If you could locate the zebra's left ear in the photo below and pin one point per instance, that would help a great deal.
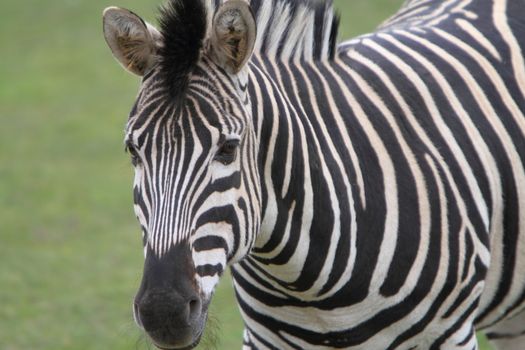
(133, 42)
(233, 35)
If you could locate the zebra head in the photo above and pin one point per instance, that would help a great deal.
(192, 143)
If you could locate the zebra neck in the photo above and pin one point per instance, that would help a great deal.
(297, 179)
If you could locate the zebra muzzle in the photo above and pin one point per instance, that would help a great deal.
(168, 305)
(171, 320)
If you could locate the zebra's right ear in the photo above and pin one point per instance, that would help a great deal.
(133, 42)
(233, 35)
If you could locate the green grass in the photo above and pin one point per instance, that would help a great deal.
(70, 249)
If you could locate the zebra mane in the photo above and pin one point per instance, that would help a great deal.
(295, 29)
(183, 25)
(286, 30)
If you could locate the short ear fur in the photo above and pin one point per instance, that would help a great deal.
(133, 42)
(233, 35)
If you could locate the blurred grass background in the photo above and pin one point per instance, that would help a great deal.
(70, 248)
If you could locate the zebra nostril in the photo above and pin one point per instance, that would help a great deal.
(194, 308)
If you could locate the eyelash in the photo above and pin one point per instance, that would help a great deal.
(135, 159)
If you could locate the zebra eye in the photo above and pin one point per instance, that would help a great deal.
(135, 159)
(227, 152)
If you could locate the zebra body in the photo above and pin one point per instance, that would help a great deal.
(375, 197)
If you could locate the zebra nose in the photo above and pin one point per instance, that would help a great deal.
(169, 318)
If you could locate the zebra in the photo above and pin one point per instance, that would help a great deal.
(365, 195)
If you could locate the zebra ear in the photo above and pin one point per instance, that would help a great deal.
(233, 35)
(133, 42)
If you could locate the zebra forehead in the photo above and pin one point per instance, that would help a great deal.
(198, 114)
(210, 94)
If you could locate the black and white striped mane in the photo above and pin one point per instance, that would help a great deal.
(295, 29)
(286, 30)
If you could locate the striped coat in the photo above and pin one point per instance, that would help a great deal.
(377, 200)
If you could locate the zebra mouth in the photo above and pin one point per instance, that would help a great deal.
(188, 347)
(197, 338)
